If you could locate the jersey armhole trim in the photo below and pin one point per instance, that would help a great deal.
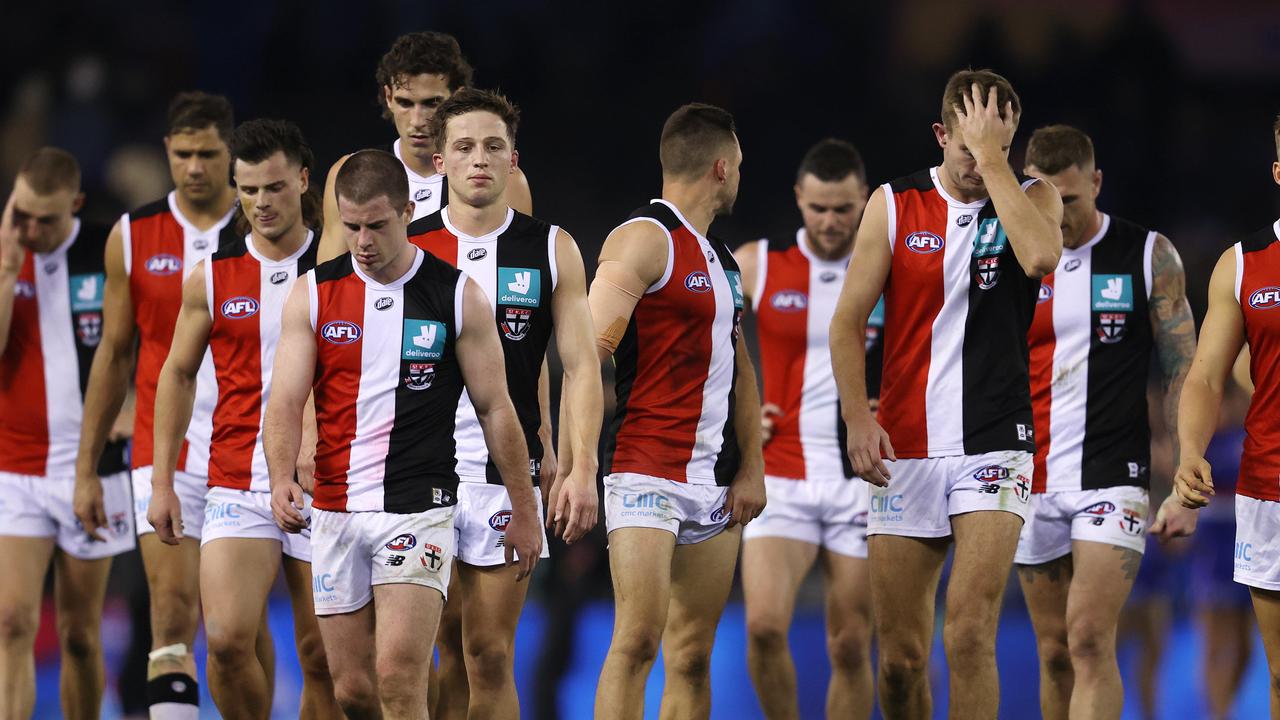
(126, 244)
(207, 268)
(1028, 183)
(762, 271)
(671, 253)
(551, 255)
(313, 299)
(1147, 251)
(1239, 249)
(458, 291)
(891, 212)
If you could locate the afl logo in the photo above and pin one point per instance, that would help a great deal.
(991, 473)
(925, 243)
(697, 281)
(238, 308)
(1100, 508)
(477, 254)
(383, 303)
(163, 264)
(1265, 298)
(400, 543)
(499, 520)
(789, 301)
(1046, 292)
(719, 515)
(340, 332)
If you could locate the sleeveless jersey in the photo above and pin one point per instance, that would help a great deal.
(246, 294)
(387, 384)
(55, 327)
(1258, 291)
(795, 298)
(957, 309)
(1091, 343)
(428, 194)
(676, 364)
(160, 249)
(515, 265)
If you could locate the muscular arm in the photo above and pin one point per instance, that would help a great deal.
(176, 388)
(1173, 327)
(331, 240)
(748, 257)
(1032, 219)
(633, 258)
(282, 428)
(12, 257)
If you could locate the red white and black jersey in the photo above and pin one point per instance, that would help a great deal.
(795, 299)
(515, 265)
(957, 308)
(387, 385)
(246, 294)
(676, 364)
(1258, 290)
(55, 328)
(428, 194)
(160, 249)
(1091, 344)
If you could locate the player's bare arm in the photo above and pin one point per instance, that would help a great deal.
(175, 396)
(1031, 219)
(484, 374)
(12, 256)
(633, 258)
(1174, 330)
(331, 240)
(108, 383)
(1221, 337)
(748, 257)
(746, 496)
(282, 426)
(868, 443)
(576, 501)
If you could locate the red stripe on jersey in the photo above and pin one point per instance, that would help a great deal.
(337, 388)
(440, 243)
(155, 286)
(913, 297)
(784, 341)
(673, 329)
(24, 429)
(1042, 340)
(235, 340)
(1260, 305)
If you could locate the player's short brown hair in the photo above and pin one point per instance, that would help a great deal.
(369, 174)
(418, 53)
(959, 86)
(1276, 129)
(195, 110)
(832, 160)
(51, 169)
(1055, 148)
(469, 100)
(693, 137)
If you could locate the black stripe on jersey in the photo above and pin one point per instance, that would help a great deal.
(729, 458)
(996, 392)
(308, 259)
(1258, 240)
(231, 248)
(426, 224)
(781, 243)
(1116, 428)
(155, 207)
(921, 180)
(421, 454)
(334, 269)
(85, 257)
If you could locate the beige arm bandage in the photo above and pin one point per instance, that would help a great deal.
(614, 294)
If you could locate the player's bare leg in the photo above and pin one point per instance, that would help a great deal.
(848, 608)
(233, 615)
(1266, 606)
(640, 563)
(23, 562)
(402, 657)
(173, 582)
(1227, 633)
(1099, 587)
(489, 617)
(985, 544)
(79, 589)
(701, 577)
(317, 702)
(452, 694)
(349, 644)
(1045, 587)
(904, 576)
(772, 570)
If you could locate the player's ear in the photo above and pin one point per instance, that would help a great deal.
(515, 160)
(77, 203)
(720, 170)
(407, 215)
(1097, 182)
(438, 160)
(940, 133)
(1275, 172)
(386, 96)
(305, 178)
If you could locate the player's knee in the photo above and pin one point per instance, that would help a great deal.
(18, 625)
(968, 636)
(229, 647)
(311, 656)
(692, 664)
(1055, 656)
(356, 696)
(176, 620)
(489, 664)
(79, 641)
(849, 648)
(637, 647)
(1090, 641)
(902, 667)
(766, 632)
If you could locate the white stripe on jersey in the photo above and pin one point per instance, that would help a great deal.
(58, 350)
(425, 192)
(818, 396)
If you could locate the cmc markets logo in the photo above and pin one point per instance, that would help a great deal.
(238, 308)
(340, 332)
(925, 243)
(697, 281)
(789, 301)
(1265, 298)
(164, 264)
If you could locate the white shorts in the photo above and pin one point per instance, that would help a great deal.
(41, 507)
(480, 523)
(190, 489)
(828, 512)
(353, 551)
(1257, 554)
(1115, 516)
(242, 514)
(692, 513)
(924, 493)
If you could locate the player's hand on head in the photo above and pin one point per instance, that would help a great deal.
(868, 447)
(985, 126)
(86, 502)
(768, 413)
(12, 255)
(164, 512)
(1173, 520)
(286, 507)
(746, 497)
(1193, 483)
(523, 543)
(576, 509)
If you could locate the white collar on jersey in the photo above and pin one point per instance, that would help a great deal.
(292, 259)
(413, 176)
(487, 237)
(189, 226)
(937, 184)
(398, 282)
(802, 242)
(1102, 230)
(680, 216)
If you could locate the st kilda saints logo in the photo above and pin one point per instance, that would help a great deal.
(89, 328)
(516, 324)
(421, 375)
(988, 272)
(1111, 327)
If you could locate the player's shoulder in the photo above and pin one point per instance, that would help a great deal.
(426, 224)
(433, 269)
(1259, 240)
(527, 225)
(658, 213)
(335, 269)
(920, 181)
(235, 246)
(159, 206)
(90, 244)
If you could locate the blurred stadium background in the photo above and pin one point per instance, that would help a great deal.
(1179, 96)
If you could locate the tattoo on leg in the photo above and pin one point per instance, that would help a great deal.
(1130, 561)
(1054, 570)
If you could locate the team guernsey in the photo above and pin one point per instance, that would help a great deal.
(428, 194)
(246, 293)
(160, 249)
(957, 308)
(515, 267)
(1090, 344)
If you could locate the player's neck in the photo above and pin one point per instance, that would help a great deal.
(421, 165)
(396, 269)
(1095, 224)
(839, 252)
(282, 247)
(964, 196)
(206, 215)
(476, 221)
(695, 202)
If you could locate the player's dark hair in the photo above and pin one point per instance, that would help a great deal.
(193, 111)
(960, 85)
(1055, 148)
(1276, 129)
(469, 100)
(832, 160)
(256, 140)
(693, 137)
(419, 53)
(369, 174)
(51, 169)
